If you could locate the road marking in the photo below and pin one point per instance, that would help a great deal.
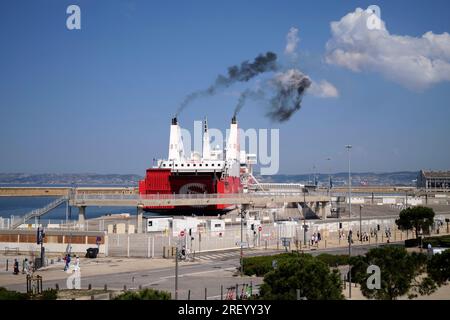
(187, 274)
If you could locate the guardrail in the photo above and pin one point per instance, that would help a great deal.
(82, 196)
(157, 200)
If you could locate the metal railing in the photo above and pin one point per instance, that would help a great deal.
(39, 212)
(255, 195)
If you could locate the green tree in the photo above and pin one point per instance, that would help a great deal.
(400, 272)
(438, 268)
(145, 294)
(417, 218)
(312, 276)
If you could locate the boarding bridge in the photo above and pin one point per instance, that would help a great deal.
(195, 199)
(36, 213)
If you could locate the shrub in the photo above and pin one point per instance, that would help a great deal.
(12, 295)
(334, 260)
(259, 266)
(146, 294)
(443, 241)
(49, 294)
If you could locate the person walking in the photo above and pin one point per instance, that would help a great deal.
(67, 259)
(26, 266)
(77, 264)
(16, 267)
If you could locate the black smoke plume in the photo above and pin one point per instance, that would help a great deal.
(247, 94)
(290, 88)
(243, 73)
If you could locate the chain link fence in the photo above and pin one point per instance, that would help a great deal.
(288, 235)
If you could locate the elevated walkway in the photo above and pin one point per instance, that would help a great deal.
(195, 199)
(39, 212)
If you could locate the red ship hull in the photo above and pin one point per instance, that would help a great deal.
(164, 181)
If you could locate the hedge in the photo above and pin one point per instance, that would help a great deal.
(145, 294)
(443, 241)
(333, 260)
(259, 266)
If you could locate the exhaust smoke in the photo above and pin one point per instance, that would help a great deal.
(243, 73)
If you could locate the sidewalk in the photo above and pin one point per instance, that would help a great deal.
(327, 243)
(90, 267)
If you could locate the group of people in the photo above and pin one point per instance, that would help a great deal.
(342, 234)
(27, 267)
(315, 239)
(67, 260)
(364, 236)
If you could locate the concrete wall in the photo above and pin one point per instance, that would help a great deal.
(54, 241)
(50, 247)
(30, 191)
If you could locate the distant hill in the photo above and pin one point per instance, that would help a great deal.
(402, 178)
(69, 179)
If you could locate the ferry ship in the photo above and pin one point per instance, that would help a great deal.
(214, 171)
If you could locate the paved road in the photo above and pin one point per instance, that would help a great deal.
(210, 270)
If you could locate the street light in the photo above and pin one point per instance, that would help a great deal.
(360, 223)
(176, 272)
(314, 172)
(243, 213)
(349, 183)
(329, 175)
(350, 234)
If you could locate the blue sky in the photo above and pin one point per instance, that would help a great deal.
(100, 99)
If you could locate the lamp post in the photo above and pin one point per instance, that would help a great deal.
(176, 272)
(329, 175)
(349, 184)
(243, 212)
(360, 223)
(350, 233)
(314, 172)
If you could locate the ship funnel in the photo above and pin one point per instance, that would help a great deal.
(206, 154)
(176, 148)
(233, 148)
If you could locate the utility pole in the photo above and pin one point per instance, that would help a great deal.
(176, 273)
(349, 265)
(304, 230)
(349, 184)
(329, 175)
(67, 208)
(242, 239)
(360, 223)
(315, 179)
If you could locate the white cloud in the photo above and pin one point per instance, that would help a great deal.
(323, 89)
(291, 42)
(414, 62)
